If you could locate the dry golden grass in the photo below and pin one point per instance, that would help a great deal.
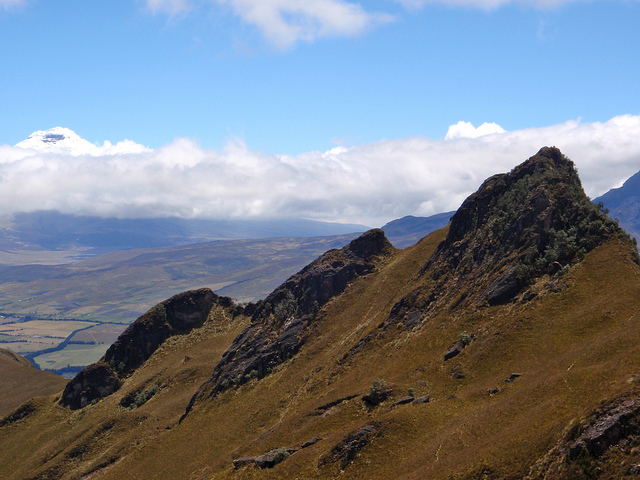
(20, 381)
(574, 348)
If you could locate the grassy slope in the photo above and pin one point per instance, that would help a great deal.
(20, 381)
(574, 349)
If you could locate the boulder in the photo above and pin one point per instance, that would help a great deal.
(454, 350)
(376, 397)
(420, 400)
(404, 400)
(268, 460)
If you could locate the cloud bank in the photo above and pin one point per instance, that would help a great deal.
(369, 184)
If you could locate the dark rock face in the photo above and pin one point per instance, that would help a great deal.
(18, 414)
(92, 383)
(136, 344)
(280, 322)
(607, 430)
(179, 314)
(503, 289)
(345, 452)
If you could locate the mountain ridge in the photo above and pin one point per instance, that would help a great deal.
(408, 371)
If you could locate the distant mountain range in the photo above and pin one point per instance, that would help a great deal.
(51, 230)
(406, 231)
(624, 204)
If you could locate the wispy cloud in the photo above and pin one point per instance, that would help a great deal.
(488, 4)
(368, 184)
(285, 22)
(10, 3)
(168, 6)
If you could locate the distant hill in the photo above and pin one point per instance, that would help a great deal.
(51, 230)
(624, 204)
(503, 346)
(20, 381)
(406, 231)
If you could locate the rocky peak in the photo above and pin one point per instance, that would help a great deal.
(535, 220)
(533, 181)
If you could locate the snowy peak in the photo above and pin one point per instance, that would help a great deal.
(64, 141)
(59, 140)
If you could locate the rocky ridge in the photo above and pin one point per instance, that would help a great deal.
(281, 322)
(175, 316)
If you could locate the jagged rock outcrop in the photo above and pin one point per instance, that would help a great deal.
(602, 444)
(607, 430)
(518, 226)
(177, 315)
(280, 323)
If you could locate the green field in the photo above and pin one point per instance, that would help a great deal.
(36, 335)
(72, 355)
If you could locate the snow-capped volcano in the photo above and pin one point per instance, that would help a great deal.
(63, 141)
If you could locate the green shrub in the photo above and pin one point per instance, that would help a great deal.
(465, 338)
(377, 386)
(281, 455)
(286, 308)
(144, 396)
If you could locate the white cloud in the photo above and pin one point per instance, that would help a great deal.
(467, 130)
(286, 22)
(368, 184)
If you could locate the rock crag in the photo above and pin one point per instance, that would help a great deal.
(177, 315)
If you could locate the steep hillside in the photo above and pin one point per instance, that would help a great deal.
(20, 381)
(493, 348)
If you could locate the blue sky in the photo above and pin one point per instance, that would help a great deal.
(125, 71)
(289, 78)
